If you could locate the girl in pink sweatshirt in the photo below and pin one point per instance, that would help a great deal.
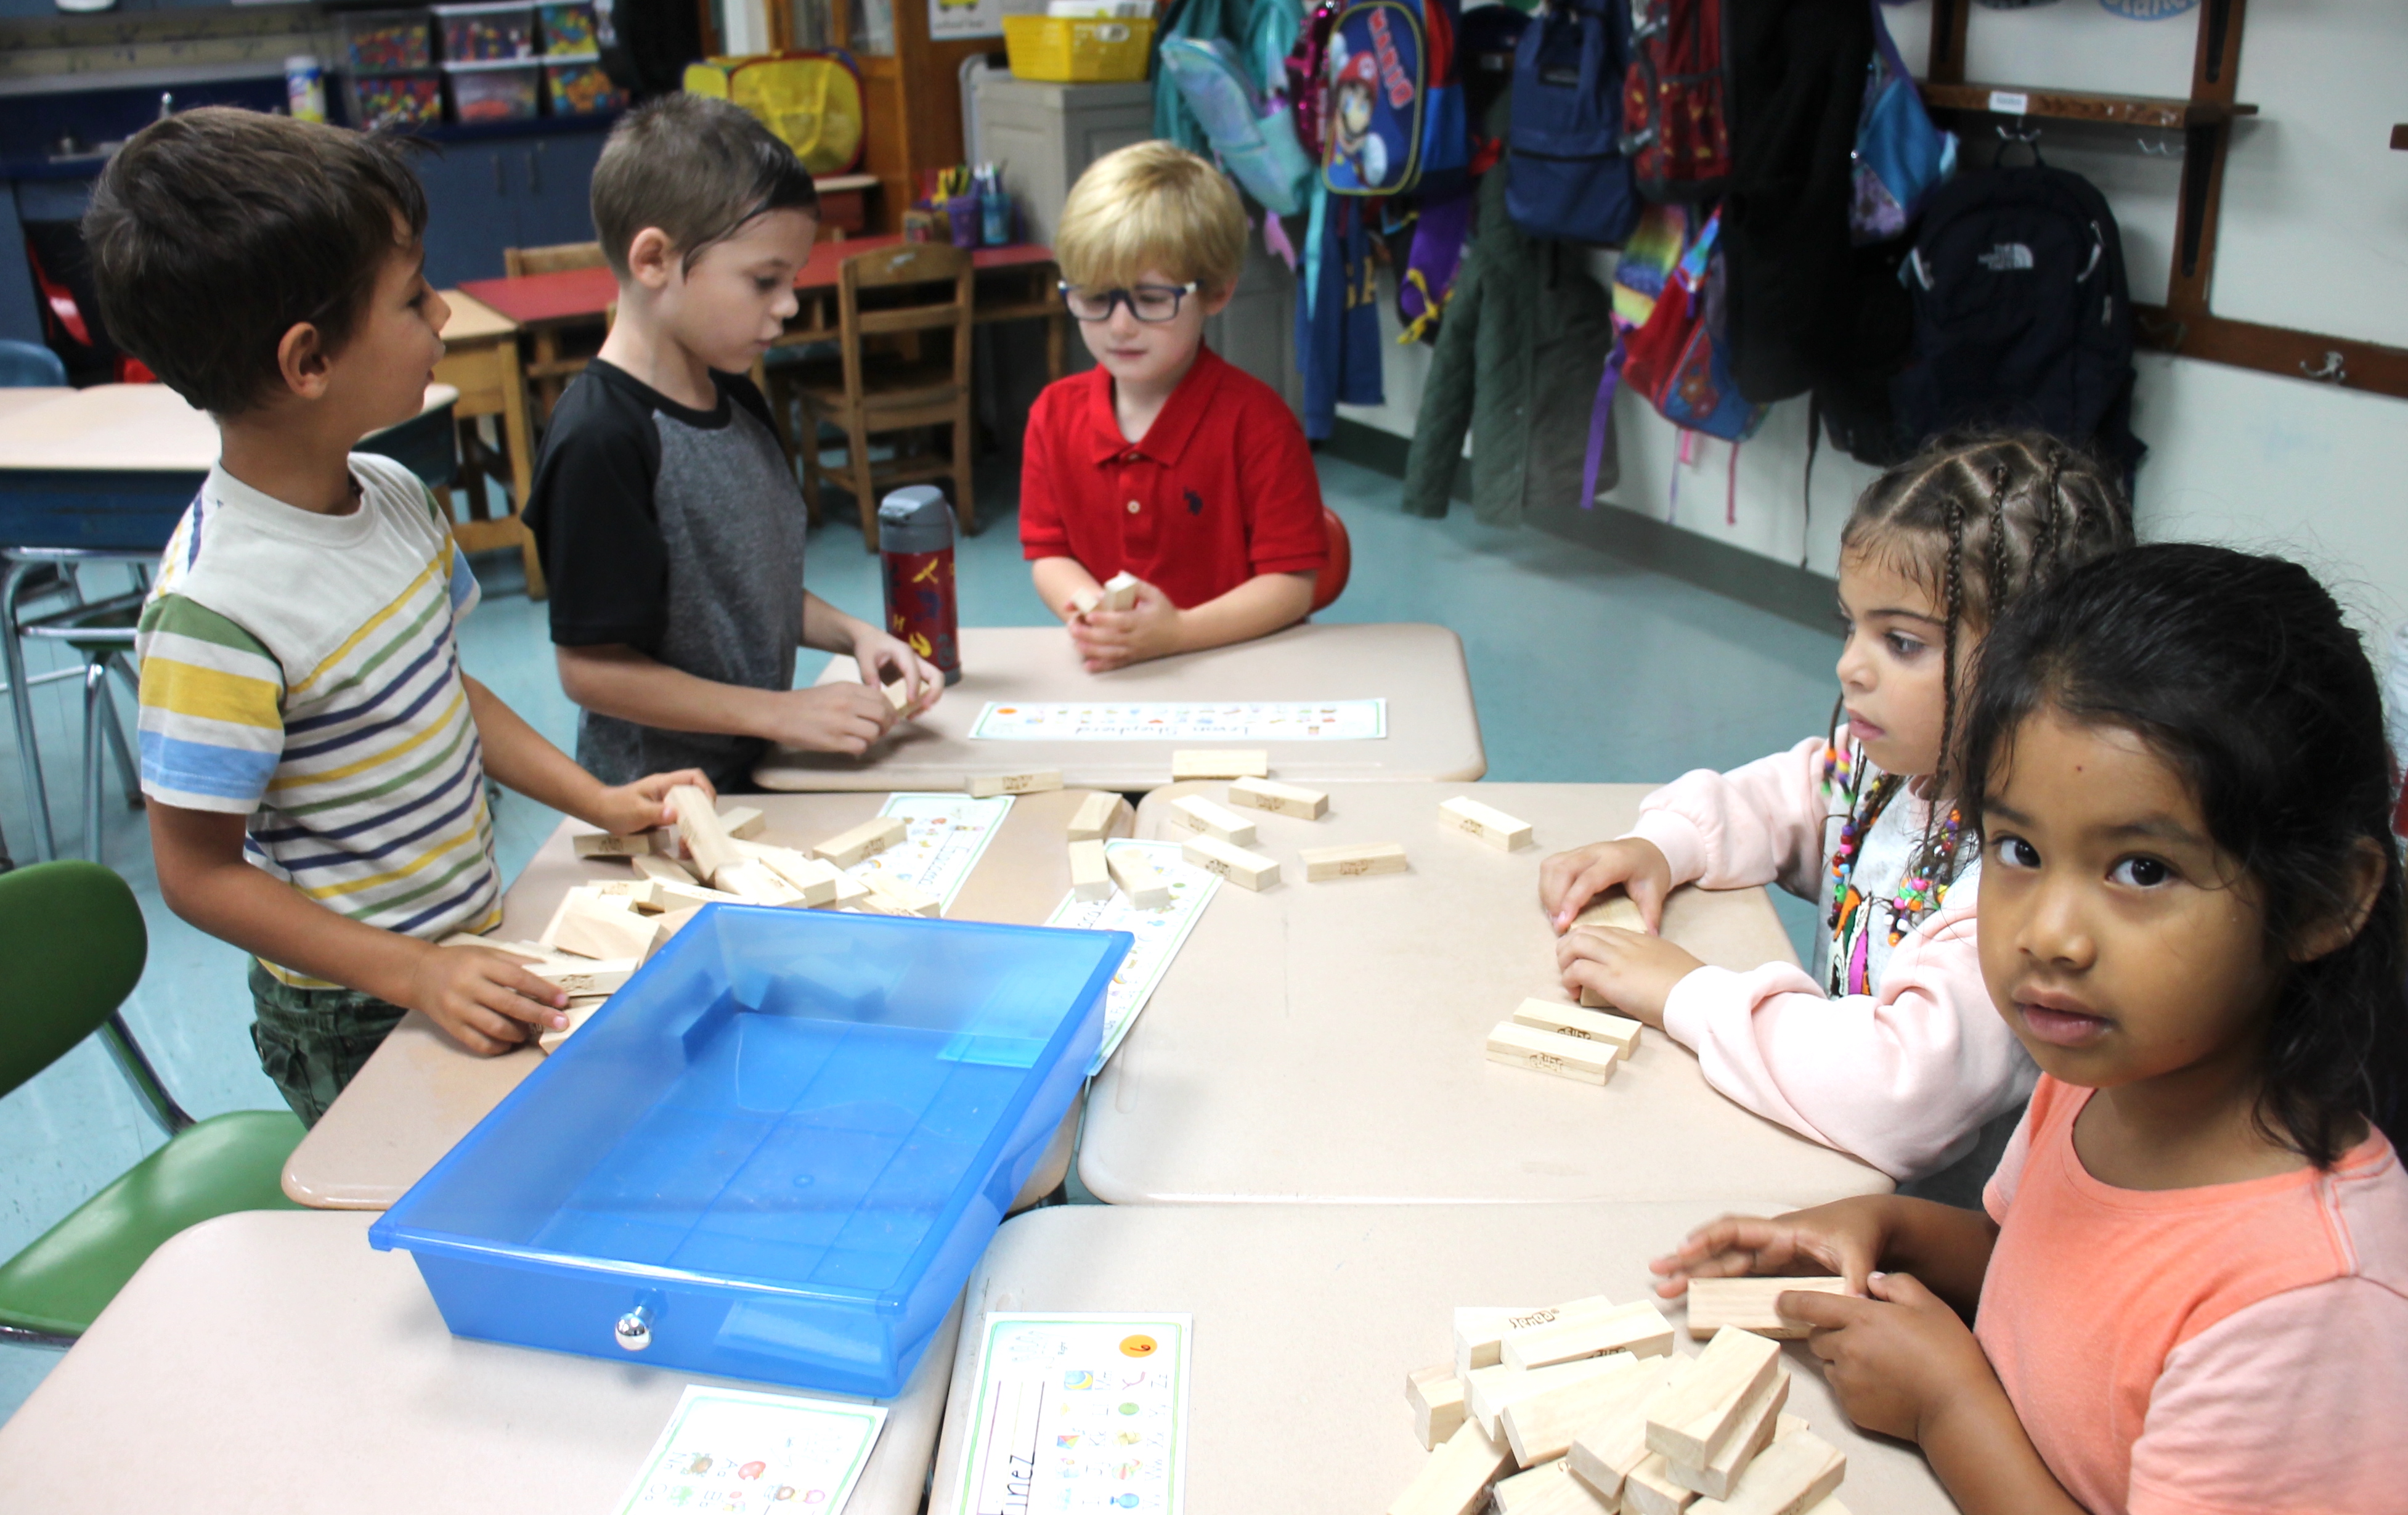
(1894, 1053)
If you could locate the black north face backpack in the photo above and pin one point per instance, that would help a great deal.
(2021, 314)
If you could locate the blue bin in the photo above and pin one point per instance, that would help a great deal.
(781, 1147)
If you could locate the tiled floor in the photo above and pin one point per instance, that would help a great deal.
(1585, 669)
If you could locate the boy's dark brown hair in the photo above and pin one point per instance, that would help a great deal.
(215, 232)
(697, 168)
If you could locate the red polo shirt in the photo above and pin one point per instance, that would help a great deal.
(1221, 489)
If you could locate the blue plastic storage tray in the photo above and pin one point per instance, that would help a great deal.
(785, 1143)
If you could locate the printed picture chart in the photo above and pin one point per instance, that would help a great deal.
(731, 1451)
(1078, 1413)
(1288, 720)
(1159, 933)
(946, 835)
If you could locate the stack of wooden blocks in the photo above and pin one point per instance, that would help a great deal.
(1563, 1040)
(1589, 1403)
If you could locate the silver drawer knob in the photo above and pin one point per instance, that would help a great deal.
(635, 1329)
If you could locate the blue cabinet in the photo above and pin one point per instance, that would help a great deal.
(522, 191)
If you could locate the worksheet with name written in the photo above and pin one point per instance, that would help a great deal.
(731, 1451)
(1259, 720)
(1159, 933)
(1077, 1413)
(945, 836)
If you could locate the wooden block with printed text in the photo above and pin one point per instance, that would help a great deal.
(1480, 1332)
(1486, 822)
(1092, 820)
(743, 823)
(757, 883)
(705, 838)
(1619, 1031)
(1758, 1419)
(902, 896)
(1031, 781)
(1637, 1328)
(1540, 1427)
(867, 840)
(1604, 1451)
(813, 878)
(603, 845)
(1797, 1473)
(602, 927)
(582, 980)
(1490, 1389)
(1138, 878)
(1436, 1396)
(1247, 870)
(1566, 1056)
(1277, 799)
(1691, 1424)
(1090, 879)
(1321, 864)
(1747, 1303)
(1455, 1479)
(1220, 764)
(1193, 813)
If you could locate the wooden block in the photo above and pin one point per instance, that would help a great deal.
(1436, 1396)
(850, 892)
(902, 896)
(899, 695)
(705, 837)
(1617, 910)
(603, 845)
(1090, 879)
(665, 927)
(1785, 1424)
(1691, 1424)
(1479, 1330)
(1088, 601)
(1489, 1389)
(1542, 1426)
(1793, 1474)
(1455, 1479)
(1220, 764)
(1619, 1031)
(743, 823)
(1759, 1418)
(1321, 864)
(662, 870)
(532, 951)
(816, 881)
(688, 896)
(1279, 799)
(602, 927)
(756, 883)
(1830, 1506)
(1566, 1056)
(1638, 1329)
(1548, 1489)
(1119, 592)
(583, 980)
(1195, 813)
(1604, 1451)
(551, 1038)
(1747, 1303)
(1092, 820)
(867, 840)
(1033, 780)
(1247, 870)
(1489, 824)
(1139, 879)
(1649, 1489)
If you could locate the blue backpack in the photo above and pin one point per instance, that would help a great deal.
(1565, 174)
(1255, 140)
(1394, 121)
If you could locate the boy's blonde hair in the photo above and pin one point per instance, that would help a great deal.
(1152, 206)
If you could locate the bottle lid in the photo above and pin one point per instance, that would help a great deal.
(915, 519)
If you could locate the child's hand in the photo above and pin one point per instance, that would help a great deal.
(829, 718)
(1896, 1360)
(484, 1000)
(1630, 971)
(640, 806)
(1843, 1238)
(1570, 880)
(878, 653)
(1108, 639)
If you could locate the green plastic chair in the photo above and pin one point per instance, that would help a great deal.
(73, 944)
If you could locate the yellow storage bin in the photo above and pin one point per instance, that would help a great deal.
(1078, 49)
(811, 100)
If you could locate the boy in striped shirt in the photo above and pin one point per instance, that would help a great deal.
(314, 758)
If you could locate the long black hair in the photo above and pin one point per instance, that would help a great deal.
(2240, 672)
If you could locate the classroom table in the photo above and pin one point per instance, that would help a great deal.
(1327, 1041)
(423, 1091)
(1307, 1319)
(1433, 729)
(482, 361)
(271, 1363)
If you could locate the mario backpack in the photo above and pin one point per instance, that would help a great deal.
(1394, 121)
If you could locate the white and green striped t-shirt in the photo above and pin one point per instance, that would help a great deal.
(301, 669)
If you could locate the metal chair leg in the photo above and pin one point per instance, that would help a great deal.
(95, 704)
(128, 773)
(20, 702)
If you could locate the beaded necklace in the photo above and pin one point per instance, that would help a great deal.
(1917, 896)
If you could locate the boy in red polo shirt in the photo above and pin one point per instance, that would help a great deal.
(1163, 461)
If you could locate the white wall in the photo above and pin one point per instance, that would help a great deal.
(2314, 235)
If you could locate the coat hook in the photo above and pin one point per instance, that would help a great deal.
(2332, 372)
(2158, 148)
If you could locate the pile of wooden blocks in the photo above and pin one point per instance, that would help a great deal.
(1563, 1040)
(1094, 871)
(1584, 1407)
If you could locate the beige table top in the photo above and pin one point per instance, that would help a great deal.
(270, 1362)
(423, 1091)
(134, 429)
(1308, 1318)
(1433, 731)
(1327, 1041)
(15, 399)
(473, 320)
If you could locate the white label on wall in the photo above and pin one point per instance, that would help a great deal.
(2009, 103)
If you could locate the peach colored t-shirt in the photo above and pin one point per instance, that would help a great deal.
(2197, 1351)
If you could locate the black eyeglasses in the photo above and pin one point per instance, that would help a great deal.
(1150, 303)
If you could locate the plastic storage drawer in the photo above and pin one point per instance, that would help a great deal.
(1077, 49)
(386, 41)
(776, 1154)
(493, 92)
(486, 33)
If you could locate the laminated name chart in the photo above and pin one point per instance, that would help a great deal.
(1159, 933)
(1276, 720)
(1078, 1413)
(945, 836)
(731, 1451)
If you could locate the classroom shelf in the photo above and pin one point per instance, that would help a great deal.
(2079, 105)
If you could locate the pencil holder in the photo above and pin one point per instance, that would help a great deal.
(963, 212)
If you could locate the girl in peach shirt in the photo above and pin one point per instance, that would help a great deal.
(2192, 1279)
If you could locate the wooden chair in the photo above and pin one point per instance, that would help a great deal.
(883, 392)
(483, 362)
(555, 363)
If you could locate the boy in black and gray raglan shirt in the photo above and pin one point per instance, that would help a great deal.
(669, 523)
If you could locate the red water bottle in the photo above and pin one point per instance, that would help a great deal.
(915, 537)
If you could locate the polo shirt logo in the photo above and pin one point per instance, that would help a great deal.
(1194, 502)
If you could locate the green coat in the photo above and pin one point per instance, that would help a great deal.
(1521, 346)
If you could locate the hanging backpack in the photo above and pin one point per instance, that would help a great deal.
(1900, 157)
(1255, 140)
(1676, 99)
(1395, 120)
(2021, 313)
(1680, 360)
(1564, 173)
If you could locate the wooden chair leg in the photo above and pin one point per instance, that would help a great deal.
(965, 498)
(810, 466)
(864, 487)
